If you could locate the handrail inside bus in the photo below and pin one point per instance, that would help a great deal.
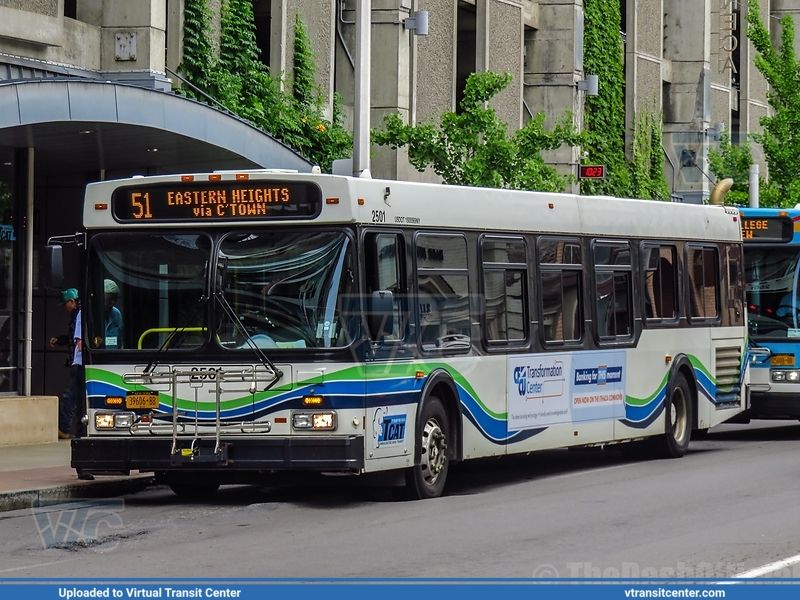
(169, 330)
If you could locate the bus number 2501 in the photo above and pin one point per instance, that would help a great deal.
(379, 216)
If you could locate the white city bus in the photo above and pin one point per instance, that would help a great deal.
(243, 324)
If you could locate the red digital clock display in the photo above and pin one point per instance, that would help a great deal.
(592, 172)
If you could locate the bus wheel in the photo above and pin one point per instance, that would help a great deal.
(188, 491)
(426, 480)
(675, 441)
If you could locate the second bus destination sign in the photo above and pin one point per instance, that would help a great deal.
(216, 201)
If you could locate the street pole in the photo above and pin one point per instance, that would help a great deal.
(753, 186)
(361, 121)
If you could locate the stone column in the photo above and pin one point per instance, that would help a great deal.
(687, 102)
(753, 90)
(645, 68)
(552, 67)
(499, 48)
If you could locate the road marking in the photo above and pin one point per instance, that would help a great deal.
(774, 566)
(47, 564)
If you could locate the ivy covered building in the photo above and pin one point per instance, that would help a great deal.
(87, 91)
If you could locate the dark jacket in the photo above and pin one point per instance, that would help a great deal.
(68, 339)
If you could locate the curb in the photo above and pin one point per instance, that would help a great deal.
(22, 499)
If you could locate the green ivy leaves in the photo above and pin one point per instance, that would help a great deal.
(238, 80)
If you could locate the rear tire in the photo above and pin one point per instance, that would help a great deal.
(426, 479)
(678, 417)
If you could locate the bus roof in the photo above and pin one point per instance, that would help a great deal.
(421, 205)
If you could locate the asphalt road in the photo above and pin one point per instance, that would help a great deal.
(729, 506)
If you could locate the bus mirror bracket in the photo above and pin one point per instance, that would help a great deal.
(380, 315)
(54, 258)
(53, 267)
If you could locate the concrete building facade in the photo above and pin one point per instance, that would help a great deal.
(86, 93)
(687, 59)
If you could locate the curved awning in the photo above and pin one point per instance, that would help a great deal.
(78, 125)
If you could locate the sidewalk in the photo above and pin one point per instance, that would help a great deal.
(34, 475)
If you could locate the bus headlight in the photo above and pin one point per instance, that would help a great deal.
(108, 420)
(318, 420)
(104, 420)
(124, 420)
(792, 376)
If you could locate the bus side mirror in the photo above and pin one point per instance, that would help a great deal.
(380, 314)
(53, 267)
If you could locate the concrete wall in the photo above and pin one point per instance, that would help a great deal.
(553, 64)
(28, 420)
(38, 30)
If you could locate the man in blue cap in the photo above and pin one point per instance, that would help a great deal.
(72, 398)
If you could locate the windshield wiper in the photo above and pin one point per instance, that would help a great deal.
(173, 335)
(265, 360)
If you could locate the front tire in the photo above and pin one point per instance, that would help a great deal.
(426, 479)
(679, 412)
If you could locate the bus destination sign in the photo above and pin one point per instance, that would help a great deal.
(767, 229)
(216, 201)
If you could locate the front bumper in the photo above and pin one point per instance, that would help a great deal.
(774, 406)
(309, 453)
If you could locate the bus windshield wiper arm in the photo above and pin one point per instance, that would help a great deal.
(265, 360)
(201, 301)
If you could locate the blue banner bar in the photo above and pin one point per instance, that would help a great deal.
(313, 589)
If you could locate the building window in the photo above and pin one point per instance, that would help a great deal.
(466, 48)
(262, 16)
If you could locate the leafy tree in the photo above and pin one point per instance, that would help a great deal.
(781, 137)
(732, 162)
(472, 147)
(238, 80)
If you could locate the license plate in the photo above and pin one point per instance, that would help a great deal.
(141, 400)
(782, 360)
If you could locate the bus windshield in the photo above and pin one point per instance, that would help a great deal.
(144, 286)
(274, 290)
(288, 289)
(772, 303)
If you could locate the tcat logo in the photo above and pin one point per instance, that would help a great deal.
(388, 430)
(519, 379)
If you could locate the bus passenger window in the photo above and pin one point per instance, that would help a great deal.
(443, 293)
(613, 291)
(560, 278)
(660, 285)
(505, 282)
(702, 265)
